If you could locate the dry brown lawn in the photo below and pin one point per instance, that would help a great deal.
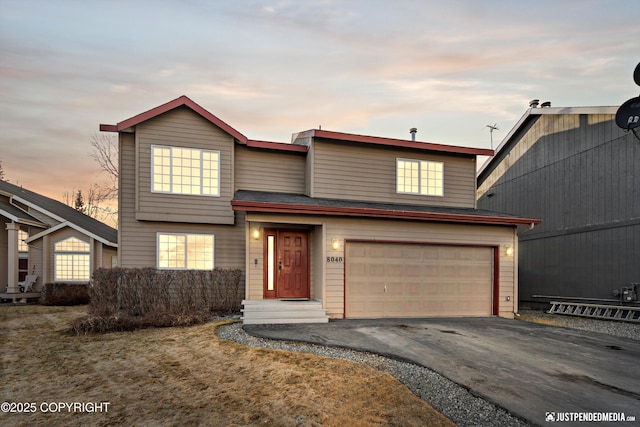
(187, 376)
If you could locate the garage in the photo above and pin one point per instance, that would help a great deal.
(417, 280)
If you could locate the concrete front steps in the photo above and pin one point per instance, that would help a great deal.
(273, 311)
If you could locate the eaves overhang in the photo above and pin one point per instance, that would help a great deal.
(351, 209)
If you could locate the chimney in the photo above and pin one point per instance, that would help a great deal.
(413, 132)
(534, 103)
(545, 104)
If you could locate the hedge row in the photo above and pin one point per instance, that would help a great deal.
(133, 298)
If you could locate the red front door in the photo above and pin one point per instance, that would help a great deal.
(289, 273)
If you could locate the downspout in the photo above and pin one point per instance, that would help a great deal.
(531, 226)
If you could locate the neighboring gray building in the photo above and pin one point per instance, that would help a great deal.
(578, 172)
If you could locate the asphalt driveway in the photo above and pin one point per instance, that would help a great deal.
(528, 369)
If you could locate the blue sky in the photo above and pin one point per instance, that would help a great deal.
(272, 68)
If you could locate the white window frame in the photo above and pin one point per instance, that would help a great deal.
(75, 255)
(422, 189)
(173, 177)
(185, 254)
(22, 245)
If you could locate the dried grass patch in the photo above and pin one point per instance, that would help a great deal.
(188, 376)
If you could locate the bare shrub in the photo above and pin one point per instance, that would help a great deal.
(133, 298)
(64, 294)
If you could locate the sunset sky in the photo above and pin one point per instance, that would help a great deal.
(272, 68)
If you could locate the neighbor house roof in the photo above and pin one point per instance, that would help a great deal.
(532, 114)
(18, 215)
(262, 201)
(66, 215)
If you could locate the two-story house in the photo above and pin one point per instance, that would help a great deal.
(357, 226)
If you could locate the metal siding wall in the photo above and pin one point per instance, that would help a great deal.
(581, 176)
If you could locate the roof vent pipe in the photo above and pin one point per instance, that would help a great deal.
(545, 104)
(534, 103)
(413, 132)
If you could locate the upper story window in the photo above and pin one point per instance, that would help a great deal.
(178, 170)
(72, 260)
(423, 177)
(185, 251)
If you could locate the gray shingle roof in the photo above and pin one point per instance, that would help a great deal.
(63, 211)
(15, 212)
(335, 206)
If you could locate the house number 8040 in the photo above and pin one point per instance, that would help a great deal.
(334, 259)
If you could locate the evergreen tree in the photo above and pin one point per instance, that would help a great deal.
(79, 203)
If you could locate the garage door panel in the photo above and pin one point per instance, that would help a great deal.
(409, 280)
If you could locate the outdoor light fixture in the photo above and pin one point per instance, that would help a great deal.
(508, 250)
(335, 244)
(256, 233)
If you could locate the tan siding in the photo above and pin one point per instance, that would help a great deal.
(366, 173)
(264, 170)
(107, 255)
(317, 263)
(126, 199)
(183, 128)
(408, 231)
(255, 271)
(138, 249)
(137, 239)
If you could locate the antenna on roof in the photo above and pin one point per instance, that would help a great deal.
(491, 129)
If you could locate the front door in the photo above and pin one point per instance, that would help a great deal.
(286, 264)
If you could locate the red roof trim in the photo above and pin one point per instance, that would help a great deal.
(393, 142)
(277, 146)
(108, 128)
(378, 213)
(178, 102)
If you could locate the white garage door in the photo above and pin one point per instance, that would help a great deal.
(410, 280)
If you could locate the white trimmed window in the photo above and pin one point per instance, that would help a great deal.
(178, 170)
(423, 177)
(185, 251)
(22, 245)
(72, 260)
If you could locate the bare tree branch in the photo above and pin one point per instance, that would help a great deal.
(104, 150)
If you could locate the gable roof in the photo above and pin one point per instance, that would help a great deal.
(392, 142)
(262, 201)
(532, 114)
(62, 213)
(184, 101)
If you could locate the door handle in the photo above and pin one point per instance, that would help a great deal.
(279, 265)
